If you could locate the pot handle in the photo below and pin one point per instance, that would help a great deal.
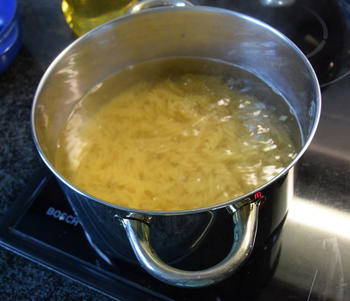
(138, 232)
(149, 4)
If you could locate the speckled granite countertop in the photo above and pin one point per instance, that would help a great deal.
(45, 34)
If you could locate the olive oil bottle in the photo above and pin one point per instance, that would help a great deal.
(83, 15)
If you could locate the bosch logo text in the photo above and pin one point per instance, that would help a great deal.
(63, 216)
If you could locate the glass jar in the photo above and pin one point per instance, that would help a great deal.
(83, 15)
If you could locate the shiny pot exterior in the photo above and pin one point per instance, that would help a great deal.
(177, 32)
(175, 237)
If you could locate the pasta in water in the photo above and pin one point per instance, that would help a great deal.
(168, 136)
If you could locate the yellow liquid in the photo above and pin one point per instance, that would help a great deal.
(83, 15)
(154, 138)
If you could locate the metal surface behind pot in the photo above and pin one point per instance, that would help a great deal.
(189, 32)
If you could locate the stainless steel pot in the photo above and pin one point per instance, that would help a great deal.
(159, 237)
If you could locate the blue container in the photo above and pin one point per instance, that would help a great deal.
(10, 38)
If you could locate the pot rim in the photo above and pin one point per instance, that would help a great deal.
(235, 201)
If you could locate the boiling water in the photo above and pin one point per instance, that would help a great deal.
(177, 134)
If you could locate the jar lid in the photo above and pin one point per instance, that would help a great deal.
(10, 40)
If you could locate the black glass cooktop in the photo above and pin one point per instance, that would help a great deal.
(309, 259)
(318, 28)
(43, 228)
